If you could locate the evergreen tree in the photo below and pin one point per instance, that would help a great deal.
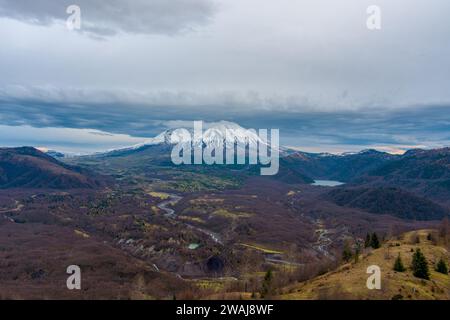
(442, 267)
(374, 242)
(398, 265)
(420, 265)
(267, 284)
(367, 241)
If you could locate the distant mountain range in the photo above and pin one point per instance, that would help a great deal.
(371, 177)
(338, 167)
(295, 166)
(390, 182)
(423, 171)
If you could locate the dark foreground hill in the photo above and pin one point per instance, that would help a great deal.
(393, 201)
(424, 171)
(28, 167)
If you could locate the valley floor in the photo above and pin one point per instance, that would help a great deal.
(147, 244)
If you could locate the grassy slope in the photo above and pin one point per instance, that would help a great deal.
(349, 281)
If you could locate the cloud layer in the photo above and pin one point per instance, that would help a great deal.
(142, 115)
(106, 18)
(310, 68)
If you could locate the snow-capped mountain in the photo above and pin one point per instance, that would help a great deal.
(227, 133)
(214, 134)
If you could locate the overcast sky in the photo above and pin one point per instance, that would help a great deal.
(308, 67)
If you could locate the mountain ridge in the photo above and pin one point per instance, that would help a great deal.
(27, 167)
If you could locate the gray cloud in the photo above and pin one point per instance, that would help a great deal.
(105, 18)
(315, 53)
(147, 115)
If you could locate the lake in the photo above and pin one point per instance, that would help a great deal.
(327, 183)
